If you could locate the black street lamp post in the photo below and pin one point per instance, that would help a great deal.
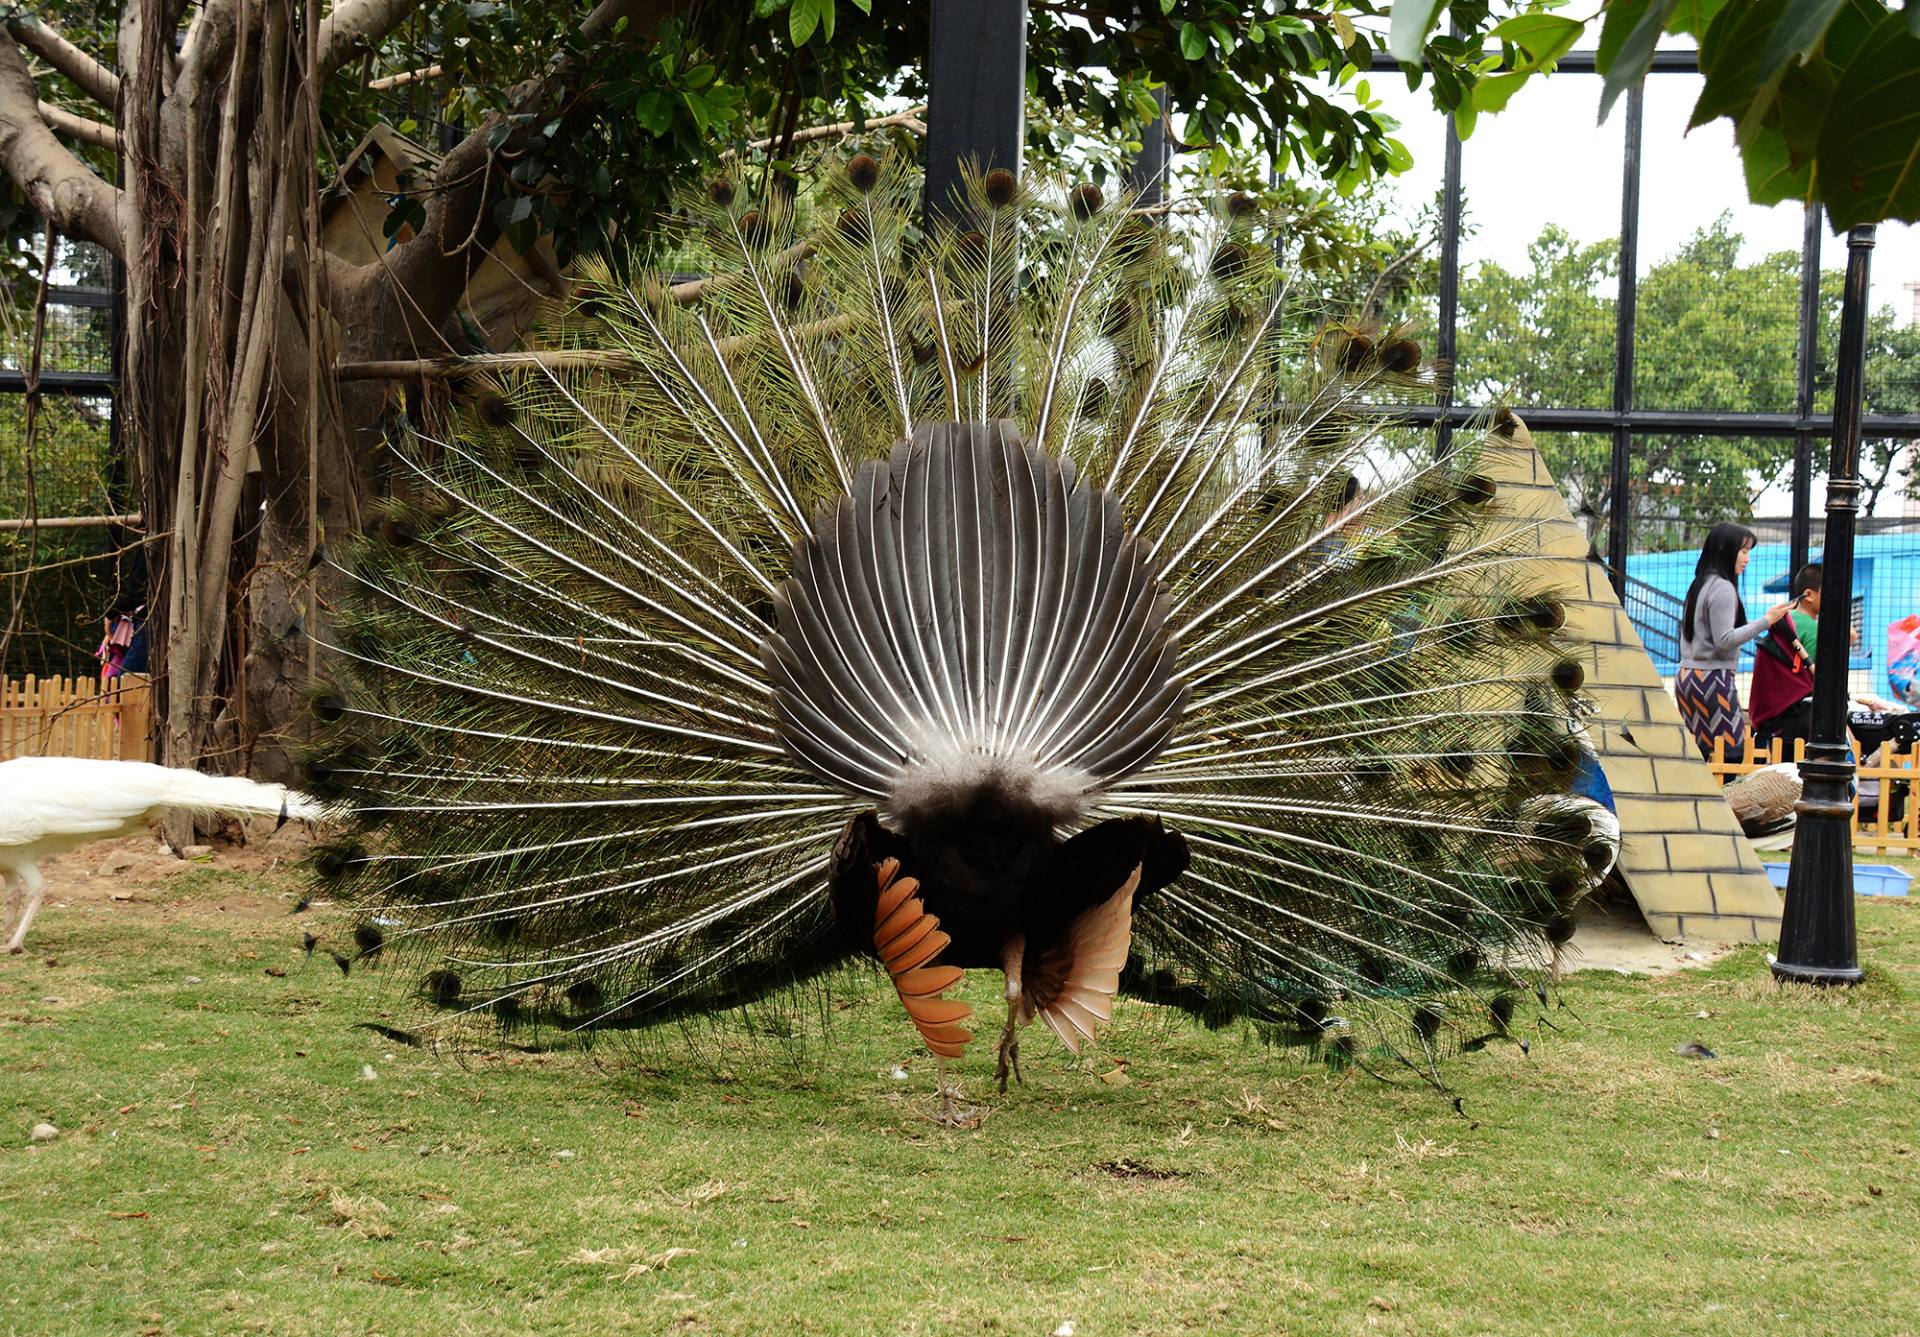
(1816, 930)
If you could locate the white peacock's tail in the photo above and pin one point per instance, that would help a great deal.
(1060, 498)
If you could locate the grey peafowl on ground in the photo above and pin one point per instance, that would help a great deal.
(1028, 593)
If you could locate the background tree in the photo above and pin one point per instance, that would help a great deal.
(1714, 333)
(193, 143)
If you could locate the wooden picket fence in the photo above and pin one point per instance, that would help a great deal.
(1878, 829)
(76, 717)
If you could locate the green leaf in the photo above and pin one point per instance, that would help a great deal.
(1798, 106)
(766, 9)
(1491, 94)
(654, 110)
(1544, 37)
(1627, 42)
(697, 108)
(1868, 165)
(806, 17)
(1913, 17)
(1798, 32)
(1464, 119)
(1412, 20)
(1798, 109)
(1730, 59)
(1193, 41)
(864, 6)
(1771, 174)
(1694, 17)
(1343, 26)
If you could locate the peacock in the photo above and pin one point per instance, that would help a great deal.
(1026, 590)
(49, 805)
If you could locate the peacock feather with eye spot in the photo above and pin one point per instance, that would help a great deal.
(1029, 594)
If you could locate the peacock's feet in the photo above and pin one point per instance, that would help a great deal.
(1009, 1057)
(950, 1112)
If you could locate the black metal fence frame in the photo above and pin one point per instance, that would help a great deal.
(987, 60)
(1623, 421)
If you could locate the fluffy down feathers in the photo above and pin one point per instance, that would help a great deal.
(52, 804)
(49, 805)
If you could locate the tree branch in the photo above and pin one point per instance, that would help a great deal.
(61, 188)
(78, 128)
(423, 278)
(908, 119)
(356, 26)
(208, 39)
(388, 83)
(611, 360)
(94, 79)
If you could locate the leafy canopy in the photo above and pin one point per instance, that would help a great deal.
(1821, 93)
(1713, 332)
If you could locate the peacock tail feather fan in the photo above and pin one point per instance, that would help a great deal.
(1028, 592)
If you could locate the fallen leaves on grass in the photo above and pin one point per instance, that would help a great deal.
(699, 1194)
(642, 1262)
(362, 1216)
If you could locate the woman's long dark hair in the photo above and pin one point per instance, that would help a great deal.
(1717, 556)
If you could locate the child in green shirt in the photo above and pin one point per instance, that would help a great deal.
(1806, 588)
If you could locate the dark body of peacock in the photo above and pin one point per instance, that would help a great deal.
(1032, 594)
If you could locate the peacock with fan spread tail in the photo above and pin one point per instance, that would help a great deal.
(1023, 594)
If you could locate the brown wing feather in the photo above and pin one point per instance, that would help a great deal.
(908, 940)
(1072, 984)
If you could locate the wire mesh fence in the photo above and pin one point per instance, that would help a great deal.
(1717, 319)
(59, 582)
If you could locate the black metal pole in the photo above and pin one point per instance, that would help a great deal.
(1147, 173)
(1800, 537)
(976, 93)
(1816, 930)
(1446, 342)
(1625, 322)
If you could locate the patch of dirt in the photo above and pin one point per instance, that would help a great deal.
(1613, 936)
(1127, 1168)
(143, 877)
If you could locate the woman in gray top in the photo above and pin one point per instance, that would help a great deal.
(1712, 631)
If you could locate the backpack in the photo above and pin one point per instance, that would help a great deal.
(1782, 676)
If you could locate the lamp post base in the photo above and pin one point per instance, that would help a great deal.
(1816, 926)
(1820, 975)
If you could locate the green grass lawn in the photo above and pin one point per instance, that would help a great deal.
(233, 1156)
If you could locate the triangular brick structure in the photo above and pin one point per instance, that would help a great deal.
(1682, 854)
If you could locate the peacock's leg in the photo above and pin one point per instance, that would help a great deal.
(1010, 1047)
(1010, 957)
(11, 884)
(36, 886)
(948, 1115)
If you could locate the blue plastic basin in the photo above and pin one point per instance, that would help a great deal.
(1869, 879)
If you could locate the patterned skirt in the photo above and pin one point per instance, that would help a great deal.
(1710, 708)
